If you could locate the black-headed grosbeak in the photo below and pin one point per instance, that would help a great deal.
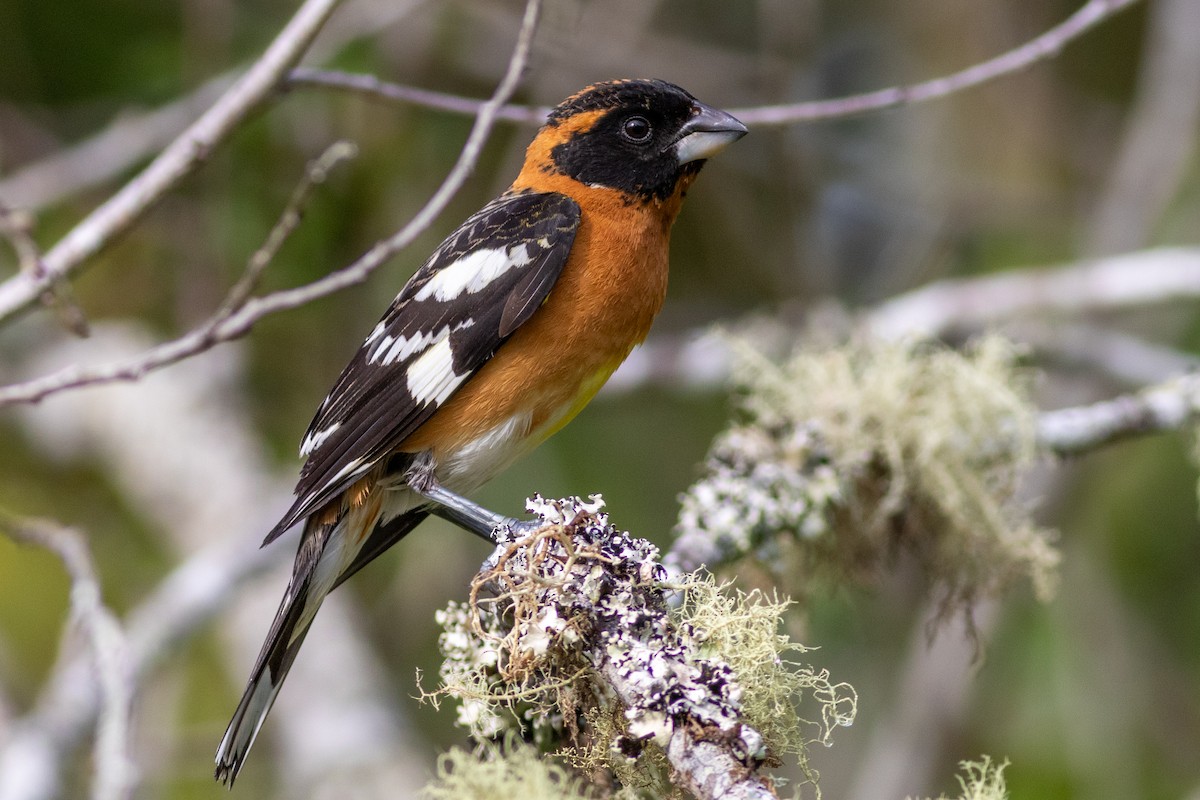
(505, 333)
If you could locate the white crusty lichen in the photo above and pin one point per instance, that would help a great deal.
(567, 638)
(858, 451)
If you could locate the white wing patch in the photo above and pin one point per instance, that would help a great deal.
(317, 438)
(431, 377)
(390, 350)
(473, 272)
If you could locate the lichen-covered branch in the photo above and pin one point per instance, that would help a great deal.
(570, 624)
(845, 455)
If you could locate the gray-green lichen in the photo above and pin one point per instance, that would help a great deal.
(859, 451)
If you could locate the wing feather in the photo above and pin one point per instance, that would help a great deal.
(483, 282)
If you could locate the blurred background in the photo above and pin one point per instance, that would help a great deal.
(1096, 694)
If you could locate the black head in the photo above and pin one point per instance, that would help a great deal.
(637, 136)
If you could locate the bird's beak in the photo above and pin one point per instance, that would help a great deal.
(707, 133)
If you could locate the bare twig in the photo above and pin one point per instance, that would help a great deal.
(225, 326)
(114, 770)
(17, 227)
(179, 159)
(1147, 276)
(203, 336)
(371, 86)
(135, 134)
(1167, 407)
(127, 139)
(314, 175)
(1045, 46)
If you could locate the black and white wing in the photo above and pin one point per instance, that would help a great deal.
(483, 282)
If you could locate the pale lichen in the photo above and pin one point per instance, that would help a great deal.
(860, 451)
(515, 771)
(568, 639)
(982, 780)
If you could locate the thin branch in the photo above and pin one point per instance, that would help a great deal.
(371, 86)
(114, 770)
(1167, 407)
(1045, 46)
(136, 134)
(178, 160)
(203, 336)
(17, 227)
(228, 325)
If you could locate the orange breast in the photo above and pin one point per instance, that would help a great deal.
(602, 305)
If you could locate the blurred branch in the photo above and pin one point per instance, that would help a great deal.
(1160, 133)
(1131, 279)
(180, 158)
(240, 312)
(1167, 407)
(181, 449)
(1117, 355)
(134, 134)
(932, 694)
(1045, 46)
(186, 600)
(114, 770)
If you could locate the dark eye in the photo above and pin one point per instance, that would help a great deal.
(636, 129)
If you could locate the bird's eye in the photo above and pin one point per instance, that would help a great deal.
(636, 129)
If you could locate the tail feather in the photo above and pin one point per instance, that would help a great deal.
(327, 556)
(292, 621)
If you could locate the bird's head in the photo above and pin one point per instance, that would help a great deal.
(639, 137)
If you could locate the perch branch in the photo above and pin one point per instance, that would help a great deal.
(580, 574)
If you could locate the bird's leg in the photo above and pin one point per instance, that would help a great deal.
(451, 506)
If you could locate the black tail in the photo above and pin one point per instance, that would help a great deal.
(287, 633)
(292, 620)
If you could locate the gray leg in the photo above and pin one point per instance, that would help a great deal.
(454, 507)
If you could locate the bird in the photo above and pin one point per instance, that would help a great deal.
(500, 338)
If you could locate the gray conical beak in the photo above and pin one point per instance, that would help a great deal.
(707, 133)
